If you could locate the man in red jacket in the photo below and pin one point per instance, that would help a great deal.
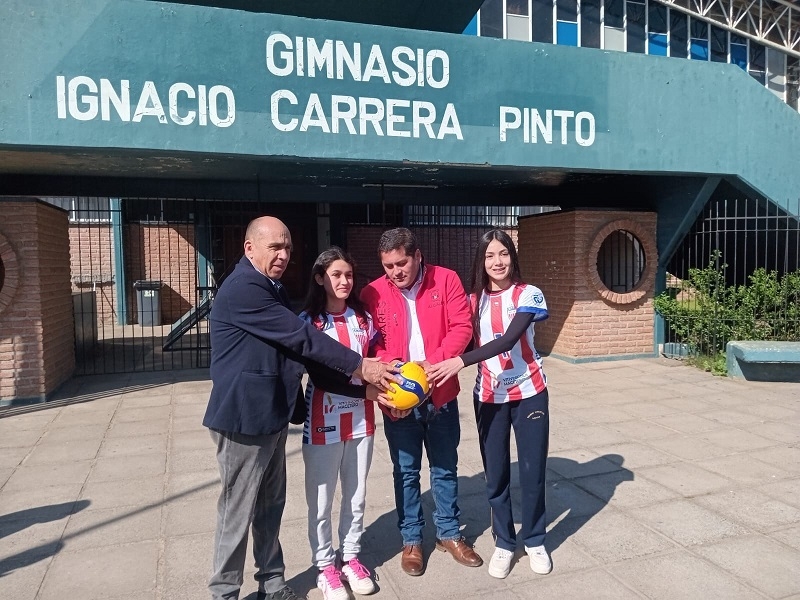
(422, 313)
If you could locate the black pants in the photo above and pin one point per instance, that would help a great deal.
(530, 419)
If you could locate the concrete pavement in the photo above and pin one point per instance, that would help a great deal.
(663, 482)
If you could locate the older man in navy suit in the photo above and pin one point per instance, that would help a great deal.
(259, 349)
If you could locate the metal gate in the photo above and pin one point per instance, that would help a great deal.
(735, 276)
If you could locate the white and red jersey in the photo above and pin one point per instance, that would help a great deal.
(333, 418)
(516, 374)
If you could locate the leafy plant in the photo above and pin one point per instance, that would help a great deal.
(705, 313)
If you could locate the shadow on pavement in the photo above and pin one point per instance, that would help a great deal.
(17, 521)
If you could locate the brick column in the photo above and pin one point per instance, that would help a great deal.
(588, 321)
(37, 334)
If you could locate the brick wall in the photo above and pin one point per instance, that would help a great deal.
(36, 323)
(92, 267)
(167, 253)
(558, 253)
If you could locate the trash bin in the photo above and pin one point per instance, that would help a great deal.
(148, 302)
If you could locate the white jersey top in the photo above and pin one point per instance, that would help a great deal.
(516, 374)
(333, 418)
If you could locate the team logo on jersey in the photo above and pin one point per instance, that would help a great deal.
(327, 429)
(511, 310)
(360, 335)
(538, 298)
(328, 406)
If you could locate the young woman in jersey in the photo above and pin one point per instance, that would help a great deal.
(510, 393)
(338, 433)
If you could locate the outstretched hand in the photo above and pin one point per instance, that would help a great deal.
(382, 398)
(442, 371)
(379, 374)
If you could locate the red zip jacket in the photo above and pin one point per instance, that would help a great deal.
(444, 320)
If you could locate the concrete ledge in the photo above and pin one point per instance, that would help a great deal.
(764, 361)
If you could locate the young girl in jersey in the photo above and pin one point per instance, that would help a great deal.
(510, 392)
(338, 433)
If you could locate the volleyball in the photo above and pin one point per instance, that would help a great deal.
(413, 389)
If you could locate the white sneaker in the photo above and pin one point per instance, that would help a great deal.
(540, 561)
(358, 576)
(329, 581)
(500, 564)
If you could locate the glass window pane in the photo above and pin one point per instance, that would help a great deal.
(739, 56)
(517, 7)
(657, 45)
(567, 34)
(758, 66)
(636, 18)
(615, 39)
(567, 10)
(614, 14)
(492, 19)
(657, 22)
(542, 21)
(699, 29)
(517, 28)
(472, 26)
(698, 50)
(719, 44)
(678, 38)
(590, 23)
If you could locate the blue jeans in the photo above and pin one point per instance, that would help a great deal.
(439, 431)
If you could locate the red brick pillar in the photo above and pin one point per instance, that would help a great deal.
(37, 334)
(588, 319)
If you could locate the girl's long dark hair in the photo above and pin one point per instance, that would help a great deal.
(480, 279)
(314, 305)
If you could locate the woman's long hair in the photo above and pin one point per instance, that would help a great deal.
(480, 279)
(316, 299)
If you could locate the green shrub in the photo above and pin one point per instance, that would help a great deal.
(705, 313)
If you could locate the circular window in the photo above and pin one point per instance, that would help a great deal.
(621, 261)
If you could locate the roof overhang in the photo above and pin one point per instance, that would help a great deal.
(449, 16)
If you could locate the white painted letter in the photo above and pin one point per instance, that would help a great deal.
(317, 119)
(450, 124)
(174, 90)
(320, 58)
(274, 110)
(213, 108)
(546, 129)
(505, 124)
(61, 97)
(442, 56)
(426, 121)
(406, 68)
(347, 116)
(286, 55)
(563, 115)
(90, 101)
(364, 116)
(392, 118)
(122, 103)
(353, 62)
(376, 66)
(589, 117)
(149, 104)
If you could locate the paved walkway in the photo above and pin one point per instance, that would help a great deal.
(663, 482)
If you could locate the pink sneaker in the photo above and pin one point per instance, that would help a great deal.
(329, 581)
(358, 576)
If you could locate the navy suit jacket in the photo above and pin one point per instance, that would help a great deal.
(259, 349)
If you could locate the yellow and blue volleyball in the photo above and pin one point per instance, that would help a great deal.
(412, 390)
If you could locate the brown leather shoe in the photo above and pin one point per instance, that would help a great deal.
(461, 551)
(411, 561)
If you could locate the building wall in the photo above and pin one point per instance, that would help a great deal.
(36, 323)
(558, 253)
(92, 267)
(167, 253)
